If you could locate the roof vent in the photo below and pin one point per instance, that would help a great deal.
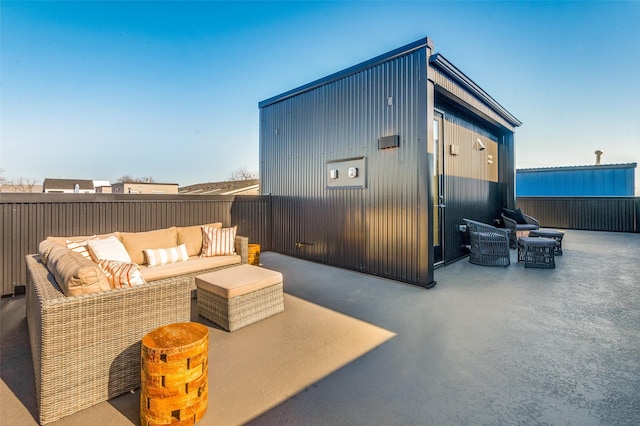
(598, 157)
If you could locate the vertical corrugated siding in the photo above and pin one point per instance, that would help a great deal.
(469, 193)
(252, 215)
(373, 229)
(28, 219)
(578, 182)
(618, 214)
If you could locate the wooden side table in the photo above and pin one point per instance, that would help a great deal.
(174, 369)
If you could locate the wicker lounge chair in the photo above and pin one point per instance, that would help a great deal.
(528, 224)
(489, 245)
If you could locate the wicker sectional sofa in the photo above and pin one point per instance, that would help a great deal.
(86, 348)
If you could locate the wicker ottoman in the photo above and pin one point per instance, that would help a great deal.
(537, 252)
(174, 372)
(550, 233)
(238, 296)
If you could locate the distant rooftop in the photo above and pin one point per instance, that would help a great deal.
(233, 187)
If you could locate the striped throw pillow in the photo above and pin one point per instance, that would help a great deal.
(121, 274)
(218, 242)
(80, 247)
(165, 256)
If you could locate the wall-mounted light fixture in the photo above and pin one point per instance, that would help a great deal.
(479, 145)
(392, 141)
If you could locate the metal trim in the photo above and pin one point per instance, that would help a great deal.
(459, 77)
(418, 44)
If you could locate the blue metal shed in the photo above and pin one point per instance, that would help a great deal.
(577, 181)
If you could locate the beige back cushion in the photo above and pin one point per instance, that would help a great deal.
(44, 249)
(191, 236)
(75, 274)
(63, 240)
(136, 242)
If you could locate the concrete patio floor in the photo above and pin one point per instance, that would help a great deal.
(486, 346)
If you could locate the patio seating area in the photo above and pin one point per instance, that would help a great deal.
(485, 346)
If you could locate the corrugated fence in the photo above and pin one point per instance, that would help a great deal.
(27, 219)
(618, 214)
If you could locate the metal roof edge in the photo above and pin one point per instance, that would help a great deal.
(586, 167)
(246, 188)
(145, 183)
(423, 42)
(461, 78)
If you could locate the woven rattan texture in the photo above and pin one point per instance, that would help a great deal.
(86, 349)
(489, 245)
(237, 312)
(537, 252)
(514, 227)
(550, 233)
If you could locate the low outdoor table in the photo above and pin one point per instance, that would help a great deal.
(537, 252)
(550, 233)
(174, 369)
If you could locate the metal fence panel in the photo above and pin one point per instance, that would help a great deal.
(27, 219)
(618, 214)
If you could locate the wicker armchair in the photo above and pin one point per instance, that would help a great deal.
(515, 227)
(489, 245)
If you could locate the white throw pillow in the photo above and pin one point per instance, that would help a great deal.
(108, 249)
(80, 247)
(165, 256)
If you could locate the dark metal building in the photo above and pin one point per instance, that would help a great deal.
(601, 180)
(374, 167)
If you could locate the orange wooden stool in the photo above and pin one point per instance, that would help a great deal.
(253, 257)
(174, 369)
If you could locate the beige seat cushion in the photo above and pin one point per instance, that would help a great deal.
(136, 242)
(194, 264)
(238, 280)
(191, 236)
(75, 274)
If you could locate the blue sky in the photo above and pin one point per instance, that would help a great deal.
(98, 90)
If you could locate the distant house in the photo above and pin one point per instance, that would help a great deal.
(106, 189)
(68, 186)
(234, 187)
(600, 180)
(144, 188)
